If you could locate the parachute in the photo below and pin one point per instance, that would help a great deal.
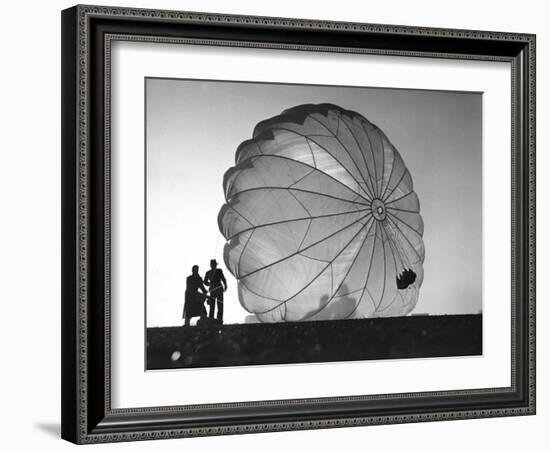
(321, 220)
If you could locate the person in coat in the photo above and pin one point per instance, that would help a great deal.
(195, 294)
(217, 285)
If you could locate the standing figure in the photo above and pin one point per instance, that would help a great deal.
(217, 285)
(195, 294)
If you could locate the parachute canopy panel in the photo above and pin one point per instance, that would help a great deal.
(321, 219)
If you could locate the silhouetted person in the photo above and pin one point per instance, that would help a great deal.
(217, 285)
(195, 294)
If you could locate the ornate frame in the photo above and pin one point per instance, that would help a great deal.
(87, 33)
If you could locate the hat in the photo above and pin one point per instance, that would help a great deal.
(213, 261)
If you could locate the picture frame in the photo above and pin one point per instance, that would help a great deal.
(88, 415)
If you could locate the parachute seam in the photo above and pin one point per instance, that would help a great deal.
(347, 152)
(305, 234)
(383, 161)
(405, 260)
(405, 236)
(307, 165)
(379, 133)
(312, 154)
(365, 289)
(322, 194)
(393, 152)
(232, 183)
(366, 279)
(348, 293)
(384, 277)
(401, 257)
(300, 203)
(361, 153)
(239, 214)
(405, 223)
(372, 192)
(388, 240)
(345, 276)
(391, 249)
(402, 210)
(376, 306)
(335, 136)
(391, 174)
(314, 259)
(242, 253)
(399, 198)
(301, 178)
(254, 227)
(389, 304)
(372, 153)
(306, 137)
(331, 278)
(308, 247)
(396, 186)
(319, 274)
(259, 295)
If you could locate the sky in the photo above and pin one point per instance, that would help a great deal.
(193, 128)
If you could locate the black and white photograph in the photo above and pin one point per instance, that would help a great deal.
(276, 220)
(294, 223)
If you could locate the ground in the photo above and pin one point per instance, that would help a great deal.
(216, 345)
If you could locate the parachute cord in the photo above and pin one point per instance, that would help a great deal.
(398, 246)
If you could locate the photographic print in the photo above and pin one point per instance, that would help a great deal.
(292, 223)
(313, 201)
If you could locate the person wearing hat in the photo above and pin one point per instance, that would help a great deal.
(217, 285)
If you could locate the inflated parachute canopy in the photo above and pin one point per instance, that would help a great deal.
(321, 220)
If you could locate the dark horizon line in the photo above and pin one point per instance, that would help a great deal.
(412, 315)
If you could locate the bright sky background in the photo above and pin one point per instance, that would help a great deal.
(194, 127)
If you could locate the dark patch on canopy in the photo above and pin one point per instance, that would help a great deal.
(405, 279)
